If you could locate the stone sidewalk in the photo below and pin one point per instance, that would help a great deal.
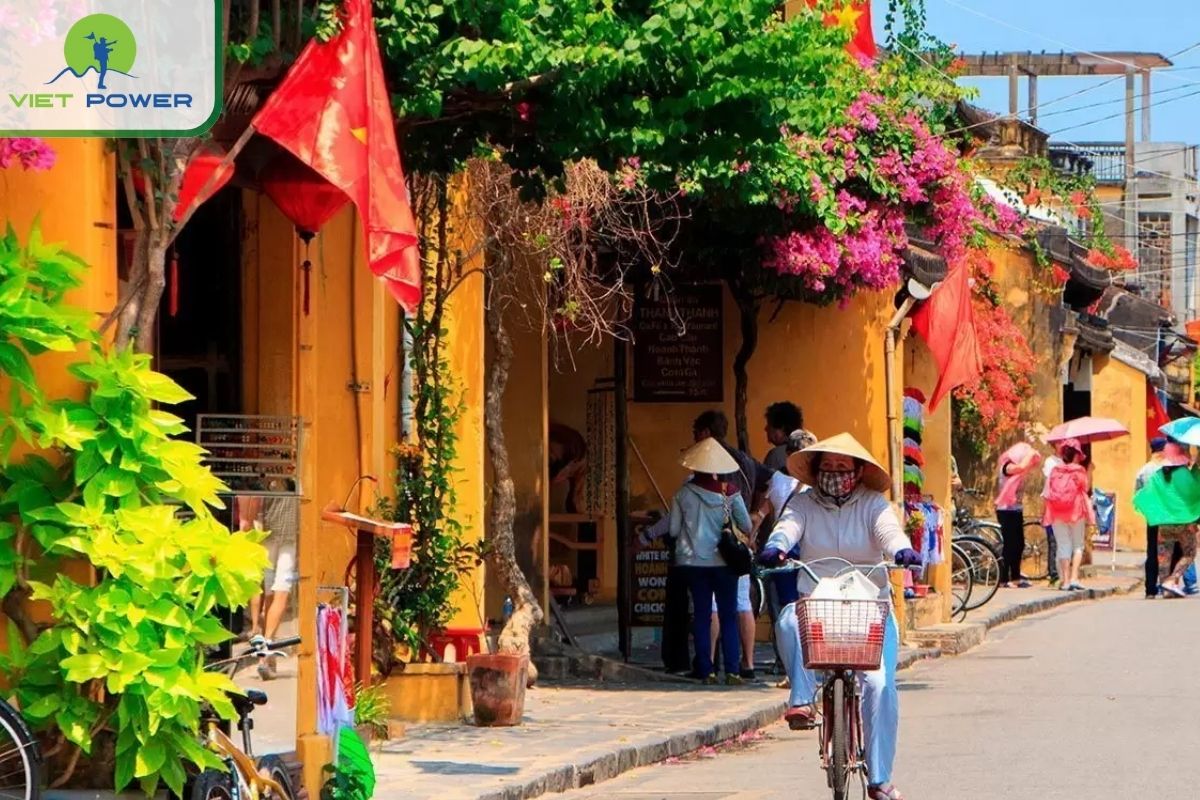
(579, 735)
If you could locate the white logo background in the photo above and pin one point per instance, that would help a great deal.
(176, 51)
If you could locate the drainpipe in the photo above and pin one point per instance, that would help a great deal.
(895, 463)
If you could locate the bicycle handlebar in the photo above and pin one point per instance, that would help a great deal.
(795, 565)
(260, 648)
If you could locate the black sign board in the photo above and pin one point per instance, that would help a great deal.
(649, 595)
(678, 351)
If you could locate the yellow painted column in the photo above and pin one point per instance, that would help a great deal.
(1119, 392)
(465, 348)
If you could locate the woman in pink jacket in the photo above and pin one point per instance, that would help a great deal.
(1069, 510)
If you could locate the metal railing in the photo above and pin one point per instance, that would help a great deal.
(1105, 161)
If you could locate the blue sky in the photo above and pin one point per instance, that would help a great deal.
(1159, 26)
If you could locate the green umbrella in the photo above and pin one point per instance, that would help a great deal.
(1172, 499)
(354, 759)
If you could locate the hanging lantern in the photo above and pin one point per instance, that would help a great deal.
(305, 198)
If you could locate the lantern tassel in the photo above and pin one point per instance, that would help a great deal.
(173, 297)
(306, 267)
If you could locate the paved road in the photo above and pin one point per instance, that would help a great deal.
(1097, 701)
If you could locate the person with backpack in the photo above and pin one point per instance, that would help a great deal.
(700, 511)
(1069, 510)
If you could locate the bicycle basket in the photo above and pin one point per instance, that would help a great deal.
(842, 634)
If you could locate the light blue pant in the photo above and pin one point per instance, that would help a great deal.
(881, 701)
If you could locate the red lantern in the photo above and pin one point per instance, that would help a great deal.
(305, 198)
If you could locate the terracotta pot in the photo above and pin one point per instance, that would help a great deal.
(498, 689)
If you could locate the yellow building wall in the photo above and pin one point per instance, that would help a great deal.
(75, 202)
(1013, 275)
(1119, 392)
(338, 368)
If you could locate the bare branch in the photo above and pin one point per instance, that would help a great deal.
(566, 261)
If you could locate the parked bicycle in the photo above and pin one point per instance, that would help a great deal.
(841, 638)
(246, 778)
(976, 534)
(20, 757)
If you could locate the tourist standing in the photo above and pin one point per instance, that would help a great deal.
(699, 512)
(1069, 510)
(783, 419)
(1015, 464)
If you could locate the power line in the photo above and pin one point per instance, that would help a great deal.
(1065, 45)
(1192, 93)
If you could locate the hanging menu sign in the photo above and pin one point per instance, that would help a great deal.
(678, 350)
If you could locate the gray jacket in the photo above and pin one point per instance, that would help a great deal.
(697, 516)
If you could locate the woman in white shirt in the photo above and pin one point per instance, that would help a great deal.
(845, 516)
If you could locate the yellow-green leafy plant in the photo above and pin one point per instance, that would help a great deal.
(116, 676)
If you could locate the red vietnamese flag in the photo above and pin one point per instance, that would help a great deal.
(854, 15)
(1156, 414)
(946, 321)
(334, 113)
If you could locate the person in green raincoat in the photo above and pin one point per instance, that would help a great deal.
(1170, 499)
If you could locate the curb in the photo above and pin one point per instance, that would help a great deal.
(601, 764)
(958, 638)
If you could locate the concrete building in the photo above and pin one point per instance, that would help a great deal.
(1164, 193)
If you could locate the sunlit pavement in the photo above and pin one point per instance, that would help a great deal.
(1096, 700)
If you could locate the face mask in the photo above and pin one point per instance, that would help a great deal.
(838, 485)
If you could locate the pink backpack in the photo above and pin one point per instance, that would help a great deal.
(1062, 490)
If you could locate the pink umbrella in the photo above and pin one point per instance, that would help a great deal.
(1088, 429)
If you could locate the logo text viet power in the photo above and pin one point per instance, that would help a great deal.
(100, 51)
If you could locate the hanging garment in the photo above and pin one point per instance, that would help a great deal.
(334, 696)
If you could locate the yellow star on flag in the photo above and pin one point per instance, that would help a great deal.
(847, 17)
(360, 134)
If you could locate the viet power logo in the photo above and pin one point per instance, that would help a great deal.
(100, 51)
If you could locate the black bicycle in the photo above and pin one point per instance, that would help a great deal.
(20, 757)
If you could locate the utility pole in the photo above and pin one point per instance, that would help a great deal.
(1131, 212)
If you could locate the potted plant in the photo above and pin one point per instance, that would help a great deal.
(498, 688)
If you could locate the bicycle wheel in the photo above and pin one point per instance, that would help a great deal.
(1035, 562)
(213, 785)
(274, 768)
(20, 759)
(985, 570)
(988, 531)
(962, 584)
(837, 738)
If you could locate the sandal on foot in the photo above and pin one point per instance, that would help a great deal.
(801, 718)
(884, 792)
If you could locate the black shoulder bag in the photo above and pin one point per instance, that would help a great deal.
(734, 552)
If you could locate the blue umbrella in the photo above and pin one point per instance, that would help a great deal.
(1185, 431)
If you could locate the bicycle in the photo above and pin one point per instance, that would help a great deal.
(246, 778)
(962, 584)
(1035, 559)
(840, 638)
(20, 757)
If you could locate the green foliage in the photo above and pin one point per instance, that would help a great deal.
(372, 707)
(416, 601)
(693, 89)
(354, 776)
(123, 654)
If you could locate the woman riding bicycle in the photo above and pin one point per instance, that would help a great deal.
(846, 516)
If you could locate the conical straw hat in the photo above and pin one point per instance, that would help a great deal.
(800, 465)
(709, 458)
